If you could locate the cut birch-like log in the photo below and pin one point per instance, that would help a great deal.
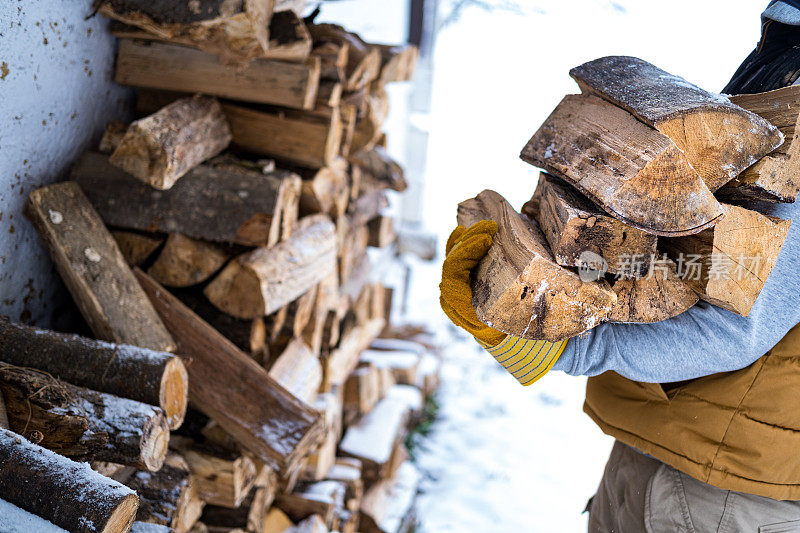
(657, 296)
(160, 148)
(381, 231)
(136, 248)
(574, 226)
(155, 378)
(215, 204)
(299, 138)
(262, 281)
(298, 370)
(383, 171)
(82, 423)
(167, 497)
(363, 60)
(388, 507)
(221, 477)
(265, 418)
(93, 268)
(634, 172)
(775, 177)
(172, 67)
(250, 516)
(720, 139)
(184, 261)
(729, 264)
(70, 495)
(519, 289)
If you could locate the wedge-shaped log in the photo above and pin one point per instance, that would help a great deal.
(729, 264)
(634, 172)
(70, 495)
(184, 261)
(519, 289)
(262, 281)
(215, 204)
(155, 378)
(262, 416)
(397, 62)
(775, 177)
(363, 59)
(325, 190)
(136, 248)
(657, 296)
(93, 268)
(82, 423)
(160, 148)
(574, 226)
(337, 364)
(720, 139)
(388, 507)
(298, 370)
(172, 67)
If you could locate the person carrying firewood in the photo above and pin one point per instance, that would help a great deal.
(704, 406)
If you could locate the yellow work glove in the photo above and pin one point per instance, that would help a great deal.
(525, 359)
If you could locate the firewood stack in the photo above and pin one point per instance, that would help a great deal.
(647, 203)
(217, 247)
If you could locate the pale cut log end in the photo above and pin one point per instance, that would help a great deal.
(237, 291)
(174, 392)
(155, 444)
(122, 517)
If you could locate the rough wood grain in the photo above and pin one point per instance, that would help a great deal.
(136, 248)
(574, 226)
(775, 177)
(160, 148)
(184, 261)
(363, 60)
(325, 190)
(261, 415)
(298, 370)
(382, 170)
(634, 172)
(720, 139)
(519, 289)
(381, 232)
(93, 268)
(262, 281)
(172, 67)
(397, 62)
(249, 516)
(155, 378)
(657, 296)
(215, 204)
(729, 264)
(68, 494)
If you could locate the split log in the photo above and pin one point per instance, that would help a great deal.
(519, 289)
(729, 264)
(368, 127)
(339, 363)
(574, 226)
(82, 423)
(167, 497)
(352, 250)
(70, 495)
(398, 62)
(184, 261)
(363, 60)
(172, 67)
(321, 498)
(298, 370)
(388, 507)
(362, 391)
(383, 171)
(16, 520)
(366, 207)
(260, 282)
(250, 516)
(277, 522)
(136, 248)
(261, 415)
(298, 313)
(162, 147)
(214, 204)
(659, 295)
(155, 378)
(112, 136)
(381, 232)
(93, 268)
(221, 477)
(720, 139)
(333, 60)
(325, 190)
(776, 177)
(299, 138)
(634, 172)
(318, 464)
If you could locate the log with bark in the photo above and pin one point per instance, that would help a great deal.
(633, 171)
(215, 204)
(270, 422)
(574, 226)
(363, 60)
(155, 378)
(519, 289)
(720, 139)
(136, 248)
(70, 495)
(171, 67)
(729, 264)
(262, 281)
(93, 268)
(775, 177)
(184, 261)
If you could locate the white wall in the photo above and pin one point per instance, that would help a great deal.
(56, 96)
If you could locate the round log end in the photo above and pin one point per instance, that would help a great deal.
(174, 394)
(123, 515)
(155, 445)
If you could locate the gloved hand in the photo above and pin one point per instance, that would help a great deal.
(525, 359)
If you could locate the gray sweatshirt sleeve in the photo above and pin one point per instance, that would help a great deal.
(705, 339)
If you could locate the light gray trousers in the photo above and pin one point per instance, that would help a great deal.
(640, 494)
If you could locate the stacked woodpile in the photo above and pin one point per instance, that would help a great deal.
(223, 249)
(648, 203)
